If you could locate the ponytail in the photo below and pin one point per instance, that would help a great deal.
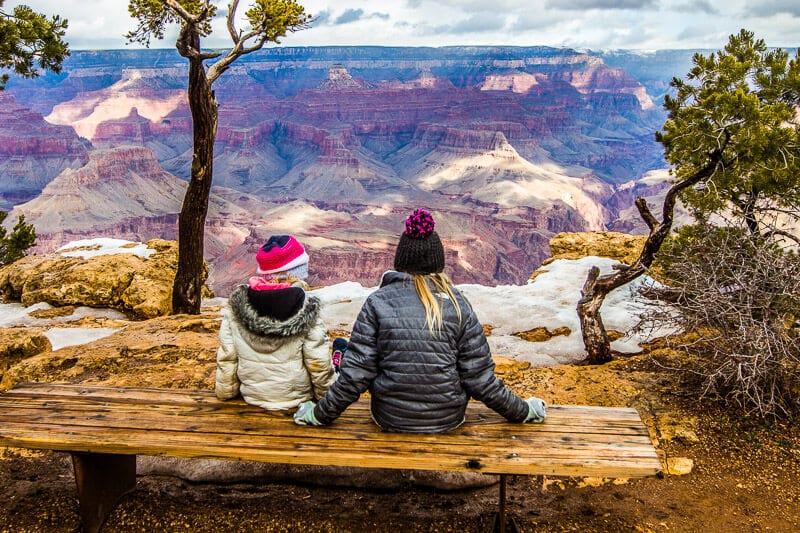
(432, 300)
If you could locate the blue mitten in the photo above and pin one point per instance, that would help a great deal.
(536, 412)
(305, 415)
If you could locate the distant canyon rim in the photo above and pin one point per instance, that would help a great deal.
(507, 146)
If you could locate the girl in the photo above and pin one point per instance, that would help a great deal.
(273, 344)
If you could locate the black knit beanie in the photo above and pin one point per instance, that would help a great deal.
(420, 250)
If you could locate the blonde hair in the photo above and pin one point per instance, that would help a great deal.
(432, 300)
(285, 277)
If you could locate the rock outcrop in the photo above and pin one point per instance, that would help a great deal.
(176, 351)
(124, 192)
(17, 344)
(620, 246)
(140, 287)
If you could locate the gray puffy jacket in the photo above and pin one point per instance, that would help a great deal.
(419, 382)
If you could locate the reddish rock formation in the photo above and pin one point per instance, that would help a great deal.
(507, 146)
(32, 151)
(121, 193)
(133, 129)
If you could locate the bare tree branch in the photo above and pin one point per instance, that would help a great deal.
(781, 233)
(234, 33)
(184, 14)
(646, 214)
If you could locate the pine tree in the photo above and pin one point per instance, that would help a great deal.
(267, 21)
(733, 137)
(13, 246)
(743, 101)
(30, 41)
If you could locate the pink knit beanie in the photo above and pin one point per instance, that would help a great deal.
(282, 253)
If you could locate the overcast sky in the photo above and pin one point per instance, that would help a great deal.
(630, 24)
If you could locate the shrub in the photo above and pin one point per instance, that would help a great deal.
(740, 294)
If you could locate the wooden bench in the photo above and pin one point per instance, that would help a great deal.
(105, 428)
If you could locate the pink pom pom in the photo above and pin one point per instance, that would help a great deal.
(420, 224)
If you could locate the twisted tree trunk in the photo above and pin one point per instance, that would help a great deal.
(597, 287)
(191, 273)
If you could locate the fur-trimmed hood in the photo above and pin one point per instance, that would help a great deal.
(247, 316)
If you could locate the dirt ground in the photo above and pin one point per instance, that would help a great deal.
(744, 477)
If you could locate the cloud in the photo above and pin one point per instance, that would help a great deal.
(538, 20)
(582, 5)
(693, 32)
(349, 15)
(773, 7)
(485, 22)
(697, 6)
(352, 15)
(323, 17)
(475, 24)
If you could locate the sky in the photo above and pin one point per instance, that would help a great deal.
(548, 301)
(580, 24)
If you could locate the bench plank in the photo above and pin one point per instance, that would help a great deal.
(212, 419)
(575, 440)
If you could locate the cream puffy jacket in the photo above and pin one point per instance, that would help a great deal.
(273, 364)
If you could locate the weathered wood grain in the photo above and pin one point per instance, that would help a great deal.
(575, 440)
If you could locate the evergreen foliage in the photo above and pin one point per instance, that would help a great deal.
(30, 41)
(14, 245)
(743, 100)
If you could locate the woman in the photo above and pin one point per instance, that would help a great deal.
(419, 349)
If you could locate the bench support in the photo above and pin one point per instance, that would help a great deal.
(502, 522)
(102, 478)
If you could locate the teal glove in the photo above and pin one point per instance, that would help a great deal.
(305, 415)
(536, 412)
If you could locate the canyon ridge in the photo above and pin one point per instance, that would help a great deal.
(507, 146)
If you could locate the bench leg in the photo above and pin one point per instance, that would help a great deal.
(102, 478)
(502, 522)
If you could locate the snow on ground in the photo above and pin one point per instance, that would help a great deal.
(548, 301)
(103, 246)
(15, 314)
(62, 337)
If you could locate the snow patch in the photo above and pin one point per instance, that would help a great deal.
(62, 337)
(549, 301)
(87, 248)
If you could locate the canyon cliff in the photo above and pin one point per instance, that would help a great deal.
(506, 146)
(32, 152)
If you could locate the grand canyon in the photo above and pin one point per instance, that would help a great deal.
(505, 145)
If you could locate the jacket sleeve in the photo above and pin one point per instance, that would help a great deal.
(317, 359)
(359, 367)
(476, 370)
(227, 383)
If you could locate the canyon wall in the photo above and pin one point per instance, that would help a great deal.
(506, 145)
